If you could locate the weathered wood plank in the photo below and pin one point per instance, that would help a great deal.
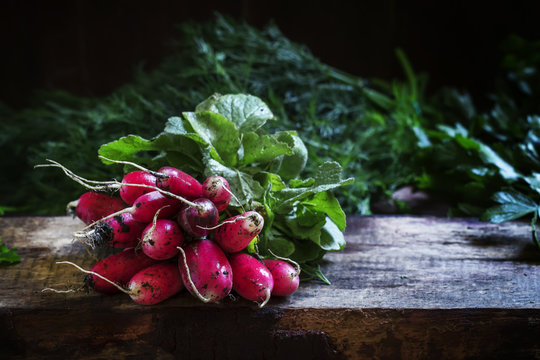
(404, 287)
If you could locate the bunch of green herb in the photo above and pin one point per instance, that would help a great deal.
(7, 255)
(492, 156)
(336, 114)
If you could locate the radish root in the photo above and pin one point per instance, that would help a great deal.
(235, 198)
(147, 236)
(113, 184)
(96, 274)
(267, 298)
(295, 264)
(59, 291)
(197, 293)
(223, 223)
(155, 173)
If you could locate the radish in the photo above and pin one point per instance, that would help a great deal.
(147, 204)
(119, 231)
(178, 182)
(286, 277)
(237, 232)
(92, 206)
(155, 283)
(150, 285)
(198, 220)
(130, 193)
(145, 207)
(252, 279)
(168, 179)
(118, 268)
(161, 239)
(217, 190)
(205, 270)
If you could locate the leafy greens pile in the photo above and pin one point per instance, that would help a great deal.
(384, 134)
(225, 136)
(7, 255)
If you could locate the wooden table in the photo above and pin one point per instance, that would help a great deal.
(404, 287)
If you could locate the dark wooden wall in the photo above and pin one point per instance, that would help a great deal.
(91, 47)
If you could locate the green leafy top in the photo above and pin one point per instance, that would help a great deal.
(225, 136)
(7, 255)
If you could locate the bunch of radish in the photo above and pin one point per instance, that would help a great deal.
(176, 233)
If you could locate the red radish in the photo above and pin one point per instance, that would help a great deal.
(200, 219)
(161, 239)
(252, 279)
(205, 270)
(178, 182)
(130, 193)
(150, 285)
(286, 277)
(93, 206)
(120, 231)
(238, 231)
(118, 268)
(155, 283)
(217, 190)
(146, 206)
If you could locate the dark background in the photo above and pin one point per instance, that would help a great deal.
(92, 47)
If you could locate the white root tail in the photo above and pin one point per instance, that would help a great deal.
(148, 235)
(186, 267)
(223, 223)
(87, 246)
(267, 298)
(102, 185)
(96, 274)
(295, 264)
(155, 173)
(113, 184)
(58, 291)
(235, 198)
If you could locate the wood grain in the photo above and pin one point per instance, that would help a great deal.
(404, 287)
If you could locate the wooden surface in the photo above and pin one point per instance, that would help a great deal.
(404, 287)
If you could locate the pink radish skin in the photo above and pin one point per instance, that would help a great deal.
(120, 231)
(209, 270)
(252, 279)
(161, 242)
(196, 221)
(179, 183)
(155, 283)
(238, 231)
(118, 268)
(93, 206)
(130, 193)
(286, 278)
(145, 206)
(217, 190)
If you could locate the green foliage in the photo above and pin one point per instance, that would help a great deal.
(384, 134)
(7, 255)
